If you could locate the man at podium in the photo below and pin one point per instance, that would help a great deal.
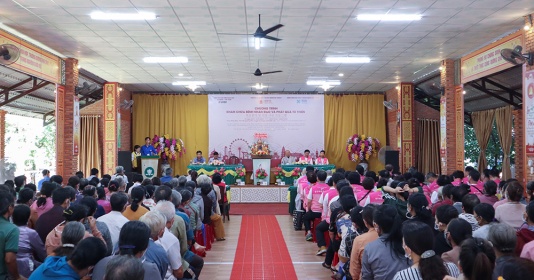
(148, 149)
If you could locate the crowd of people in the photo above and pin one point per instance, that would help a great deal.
(410, 226)
(108, 228)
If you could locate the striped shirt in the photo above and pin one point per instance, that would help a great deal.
(413, 273)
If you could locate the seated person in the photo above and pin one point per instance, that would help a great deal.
(306, 157)
(148, 149)
(321, 160)
(199, 159)
(476, 186)
(526, 233)
(458, 177)
(287, 159)
(215, 158)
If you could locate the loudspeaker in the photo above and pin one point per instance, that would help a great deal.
(125, 160)
(392, 157)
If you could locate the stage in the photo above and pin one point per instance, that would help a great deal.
(259, 194)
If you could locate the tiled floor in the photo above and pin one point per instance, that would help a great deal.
(219, 261)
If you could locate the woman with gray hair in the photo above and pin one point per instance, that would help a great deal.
(154, 252)
(214, 194)
(503, 238)
(73, 233)
(124, 268)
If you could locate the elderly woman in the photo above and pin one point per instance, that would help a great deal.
(214, 195)
(511, 212)
(31, 249)
(73, 233)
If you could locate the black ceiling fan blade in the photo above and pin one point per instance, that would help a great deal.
(272, 38)
(271, 72)
(234, 34)
(269, 30)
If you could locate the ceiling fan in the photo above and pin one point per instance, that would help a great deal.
(258, 72)
(260, 33)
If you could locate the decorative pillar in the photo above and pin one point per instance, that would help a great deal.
(111, 93)
(519, 144)
(452, 121)
(66, 157)
(407, 127)
(2, 134)
(527, 129)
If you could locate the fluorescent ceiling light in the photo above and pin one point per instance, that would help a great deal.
(172, 59)
(259, 86)
(389, 17)
(257, 43)
(347, 59)
(189, 83)
(323, 82)
(123, 16)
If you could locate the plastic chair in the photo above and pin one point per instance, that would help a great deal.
(314, 225)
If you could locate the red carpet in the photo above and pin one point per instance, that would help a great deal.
(259, 209)
(261, 251)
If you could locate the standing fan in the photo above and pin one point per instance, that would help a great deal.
(516, 57)
(8, 54)
(382, 153)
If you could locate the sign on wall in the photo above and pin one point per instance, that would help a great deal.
(76, 123)
(291, 122)
(33, 60)
(528, 100)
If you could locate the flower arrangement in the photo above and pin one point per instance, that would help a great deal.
(277, 172)
(260, 148)
(296, 173)
(240, 173)
(217, 162)
(302, 162)
(168, 148)
(221, 171)
(360, 147)
(261, 173)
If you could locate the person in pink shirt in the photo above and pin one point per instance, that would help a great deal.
(467, 171)
(489, 195)
(314, 208)
(321, 160)
(475, 185)
(354, 180)
(44, 202)
(326, 198)
(306, 157)
(302, 185)
(457, 177)
(494, 175)
(370, 195)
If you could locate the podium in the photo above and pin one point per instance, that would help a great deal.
(149, 166)
(263, 162)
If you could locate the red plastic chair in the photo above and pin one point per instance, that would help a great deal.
(210, 236)
(336, 260)
(314, 225)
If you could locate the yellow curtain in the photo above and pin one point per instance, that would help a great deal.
(89, 154)
(346, 115)
(428, 146)
(180, 116)
(482, 124)
(503, 120)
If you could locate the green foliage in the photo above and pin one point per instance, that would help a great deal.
(494, 153)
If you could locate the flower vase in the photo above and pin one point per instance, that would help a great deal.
(238, 181)
(278, 181)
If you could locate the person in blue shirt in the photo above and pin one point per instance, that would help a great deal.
(199, 159)
(148, 149)
(46, 178)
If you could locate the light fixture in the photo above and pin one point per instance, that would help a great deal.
(123, 16)
(340, 74)
(464, 92)
(192, 87)
(188, 83)
(257, 43)
(323, 82)
(440, 68)
(171, 59)
(259, 86)
(181, 74)
(397, 87)
(120, 89)
(325, 87)
(79, 66)
(528, 25)
(389, 17)
(347, 59)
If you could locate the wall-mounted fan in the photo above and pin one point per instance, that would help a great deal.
(516, 57)
(8, 54)
(126, 104)
(390, 105)
(86, 88)
(260, 33)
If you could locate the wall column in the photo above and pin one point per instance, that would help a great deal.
(2, 134)
(452, 120)
(407, 154)
(526, 120)
(111, 94)
(66, 158)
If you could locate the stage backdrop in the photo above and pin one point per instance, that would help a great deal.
(289, 121)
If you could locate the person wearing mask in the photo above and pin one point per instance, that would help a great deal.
(484, 215)
(46, 178)
(384, 257)
(504, 240)
(31, 251)
(418, 243)
(445, 198)
(361, 241)
(114, 219)
(476, 260)
(489, 196)
(92, 205)
(458, 194)
(417, 209)
(72, 234)
(46, 222)
(444, 215)
(133, 241)
(468, 205)
(511, 212)
(79, 265)
(26, 196)
(457, 231)
(526, 233)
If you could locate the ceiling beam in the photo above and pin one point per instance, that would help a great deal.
(500, 86)
(35, 87)
(6, 91)
(483, 89)
(419, 91)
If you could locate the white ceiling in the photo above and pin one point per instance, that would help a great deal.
(313, 30)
